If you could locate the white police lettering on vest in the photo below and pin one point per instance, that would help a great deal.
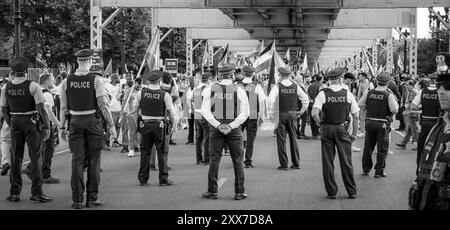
(152, 95)
(16, 92)
(227, 96)
(288, 91)
(377, 96)
(83, 84)
(336, 99)
(430, 96)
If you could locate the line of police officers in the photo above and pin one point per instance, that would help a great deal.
(222, 111)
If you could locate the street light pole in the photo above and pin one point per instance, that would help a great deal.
(17, 20)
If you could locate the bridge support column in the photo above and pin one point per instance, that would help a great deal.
(210, 53)
(189, 51)
(96, 25)
(413, 55)
(390, 55)
(375, 57)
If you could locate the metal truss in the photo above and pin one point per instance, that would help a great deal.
(413, 56)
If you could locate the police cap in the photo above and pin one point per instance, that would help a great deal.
(227, 69)
(20, 65)
(383, 77)
(152, 75)
(432, 75)
(84, 54)
(284, 72)
(206, 76)
(335, 73)
(248, 70)
(442, 67)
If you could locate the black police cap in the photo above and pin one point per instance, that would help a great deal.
(284, 71)
(335, 73)
(383, 77)
(227, 69)
(20, 64)
(84, 54)
(152, 75)
(248, 70)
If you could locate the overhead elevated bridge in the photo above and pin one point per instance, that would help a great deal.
(329, 31)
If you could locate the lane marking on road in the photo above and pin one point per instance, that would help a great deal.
(54, 154)
(400, 133)
(221, 182)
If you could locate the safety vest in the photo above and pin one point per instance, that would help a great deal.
(225, 102)
(430, 103)
(81, 92)
(152, 102)
(19, 98)
(378, 105)
(288, 98)
(253, 99)
(336, 108)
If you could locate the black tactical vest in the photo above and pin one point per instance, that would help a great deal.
(377, 104)
(19, 98)
(152, 102)
(253, 99)
(288, 98)
(430, 103)
(224, 102)
(81, 92)
(336, 108)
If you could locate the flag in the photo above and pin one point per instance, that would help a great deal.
(368, 62)
(241, 63)
(299, 54)
(279, 62)
(400, 63)
(205, 56)
(287, 56)
(271, 74)
(108, 69)
(152, 53)
(41, 63)
(380, 69)
(305, 64)
(258, 50)
(263, 61)
(224, 59)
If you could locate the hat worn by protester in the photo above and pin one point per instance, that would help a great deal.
(84, 54)
(227, 69)
(248, 70)
(335, 73)
(284, 72)
(383, 77)
(443, 64)
(349, 75)
(20, 65)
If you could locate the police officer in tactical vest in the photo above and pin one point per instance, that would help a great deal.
(153, 103)
(426, 101)
(225, 107)
(22, 104)
(432, 189)
(284, 99)
(381, 106)
(331, 111)
(84, 105)
(256, 98)
(202, 126)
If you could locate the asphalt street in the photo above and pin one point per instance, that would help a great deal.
(267, 187)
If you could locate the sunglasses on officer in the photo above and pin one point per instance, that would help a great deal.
(445, 85)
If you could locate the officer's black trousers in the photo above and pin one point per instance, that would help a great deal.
(234, 140)
(153, 134)
(47, 155)
(191, 128)
(24, 131)
(202, 140)
(251, 125)
(287, 124)
(336, 137)
(313, 124)
(425, 128)
(85, 144)
(377, 133)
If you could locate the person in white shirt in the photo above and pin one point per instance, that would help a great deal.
(283, 101)
(113, 91)
(130, 136)
(225, 107)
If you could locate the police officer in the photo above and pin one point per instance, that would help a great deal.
(335, 103)
(84, 105)
(22, 104)
(432, 190)
(381, 105)
(426, 101)
(153, 102)
(225, 107)
(202, 126)
(256, 100)
(284, 98)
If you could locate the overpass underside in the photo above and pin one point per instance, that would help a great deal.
(329, 31)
